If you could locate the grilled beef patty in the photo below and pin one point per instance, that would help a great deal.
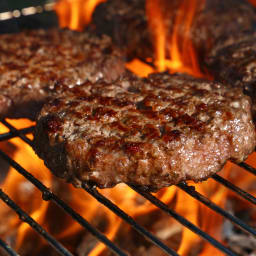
(125, 22)
(151, 132)
(236, 64)
(220, 24)
(36, 65)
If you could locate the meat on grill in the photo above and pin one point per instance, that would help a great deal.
(216, 25)
(36, 65)
(220, 24)
(126, 22)
(151, 132)
(236, 65)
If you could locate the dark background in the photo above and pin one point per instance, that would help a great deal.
(41, 20)
(6, 5)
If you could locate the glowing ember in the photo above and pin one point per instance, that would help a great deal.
(139, 68)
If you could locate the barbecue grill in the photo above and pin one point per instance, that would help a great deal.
(32, 12)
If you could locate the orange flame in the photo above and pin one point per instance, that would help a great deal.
(45, 213)
(174, 52)
(171, 32)
(75, 14)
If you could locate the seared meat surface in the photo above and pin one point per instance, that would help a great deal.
(236, 64)
(220, 24)
(36, 65)
(151, 132)
(125, 22)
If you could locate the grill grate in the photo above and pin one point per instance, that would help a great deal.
(7, 248)
(26, 218)
(48, 195)
(237, 190)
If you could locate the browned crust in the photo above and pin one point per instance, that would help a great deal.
(35, 65)
(221, 23)
(236, 64)
(125, 22)
(150, 132)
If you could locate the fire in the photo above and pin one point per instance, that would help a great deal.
(75, 14)
(30, 199)
(175, 52)
(46, 213)
(170, 29)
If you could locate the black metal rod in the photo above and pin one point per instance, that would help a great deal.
(34, 225)
(8, 249)
(48, 195)
(192, 192)
(10, 135)
(14, 130)
(124, 216)
(247, 167)
(234, 188)
(183, 221)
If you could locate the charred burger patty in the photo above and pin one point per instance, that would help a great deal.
(36, 65)
(151, 132)
(236, 64)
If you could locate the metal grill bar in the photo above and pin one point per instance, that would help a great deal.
(183, 221)
(234, 188)
(8, 249)
(33, 224)
(31, 10)
(247, 168)
(10, 135)
(48, 195)
(192, 192)
(14, 130)
(114, 208)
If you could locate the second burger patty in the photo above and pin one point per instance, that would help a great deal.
(36, 65)
(151, 132)
(236, 64)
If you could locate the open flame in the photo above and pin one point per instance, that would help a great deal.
(173, 52)
(65, 229)
(75, 14)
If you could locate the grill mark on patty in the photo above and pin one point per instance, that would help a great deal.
(37, 65)
(136, 136)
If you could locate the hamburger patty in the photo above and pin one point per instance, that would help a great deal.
(36, 65)
(236, 64)
(151, 132)
(220, 24)
(125, 22)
